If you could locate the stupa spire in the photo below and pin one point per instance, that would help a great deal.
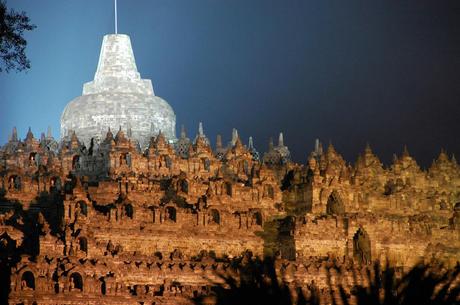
(117, 70)
(49, 134)
(29, 135)
(116, 18)
(129, 130)
(14, 135)
(219, 142)
(234, 136)
(118, 95)
(270, 144)
(251, 143)
(281, 140)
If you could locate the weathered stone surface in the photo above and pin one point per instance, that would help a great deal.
(118, 97)
(115, 222)
(114, 225)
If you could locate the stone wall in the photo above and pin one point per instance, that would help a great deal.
(111, 224)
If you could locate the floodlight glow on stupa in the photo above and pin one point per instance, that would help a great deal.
(118, 97)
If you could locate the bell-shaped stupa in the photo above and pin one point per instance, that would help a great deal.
(118, 97)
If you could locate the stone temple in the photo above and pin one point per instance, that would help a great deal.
(118, 98)
(140, 218)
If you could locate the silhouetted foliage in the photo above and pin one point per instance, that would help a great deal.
(12, 43)
(423, 284)
(256, 282)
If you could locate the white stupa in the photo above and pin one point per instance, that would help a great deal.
(118, 97)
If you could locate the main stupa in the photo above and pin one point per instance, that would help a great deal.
(118, 98)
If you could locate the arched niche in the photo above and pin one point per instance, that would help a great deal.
(214, 217)
(55, 184)
(176, 255)
(153, 211)
(335, 204)
(83, 244)
(125, 159)
(184, 186)
(76, 162)
(270, 191)
(33, 157)
(168, 162)
(206, 164)
(170, 214)
(55, 279)
(228, 188)
(15, 182)
(246, 168)
(76, 282)
(362, 247)
(238, 219)
(256, 218)
(27, 281)
(83, 207)
(128, 210)
(103, 286)
(158, 255)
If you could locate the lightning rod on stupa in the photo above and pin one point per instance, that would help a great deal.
(116, 18)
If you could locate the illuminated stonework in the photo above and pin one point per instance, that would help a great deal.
(118, 97)
(116, 225)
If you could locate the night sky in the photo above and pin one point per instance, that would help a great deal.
(347, 72)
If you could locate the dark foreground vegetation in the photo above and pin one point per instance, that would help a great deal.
(257, 282)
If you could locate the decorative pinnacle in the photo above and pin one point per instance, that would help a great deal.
(14, 135)
(234, 136)
(49, 135)
(183, 134)
(368, 148)
(219, 141)
(200, 129)
(251, 143)
(129, 131)
(109, 134)
(281, 140)
(29, 135)
(405, 151)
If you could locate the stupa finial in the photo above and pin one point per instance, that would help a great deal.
(116, 18)
(183, 134)
(234, 136)
(251, 143)
(281, 140)
(49, 134)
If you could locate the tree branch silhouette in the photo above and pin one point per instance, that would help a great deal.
(13, 25)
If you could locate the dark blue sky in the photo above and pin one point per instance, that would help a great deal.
(386, 72)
